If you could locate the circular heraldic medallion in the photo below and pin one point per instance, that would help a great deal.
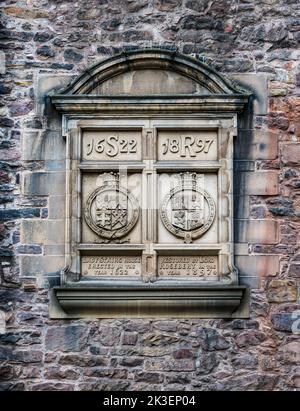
(188, 212)
(111, 211)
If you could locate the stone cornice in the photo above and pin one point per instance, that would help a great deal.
(92, 104)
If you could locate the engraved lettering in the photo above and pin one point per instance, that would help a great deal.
(174, 146)
(123, 145)
(166, 146)
(205, 267)
(111, 146)
(187, 146)
(200, 145)
(90, 147)
(208, 143)
(111, 141)
(100, 147)
(111, 266)
(132, 146)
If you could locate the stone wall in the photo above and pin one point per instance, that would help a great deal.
(252, 41)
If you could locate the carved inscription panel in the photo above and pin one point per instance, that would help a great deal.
(111, 266)
(205, 267)
(134, 209)
(111, 145)
(187, 145)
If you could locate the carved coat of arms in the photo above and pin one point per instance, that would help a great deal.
(111, 210)
(188, 210)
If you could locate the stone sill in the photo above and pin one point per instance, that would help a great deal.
(149, 301)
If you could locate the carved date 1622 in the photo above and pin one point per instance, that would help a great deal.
(112, 145)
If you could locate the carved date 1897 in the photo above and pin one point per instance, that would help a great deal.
(186, 145)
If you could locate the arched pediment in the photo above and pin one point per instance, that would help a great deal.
(150, 81)
(150, 72)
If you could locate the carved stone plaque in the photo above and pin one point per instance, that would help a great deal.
(205, 267)
(111, 266)
(187, 145)
(149, 189)
(111, 145)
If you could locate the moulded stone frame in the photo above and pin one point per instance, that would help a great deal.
(77, 298)
(223, 167)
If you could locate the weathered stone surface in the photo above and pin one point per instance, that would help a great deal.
(129, 338)
(26, 13)
(31, 356)
(294, 270)
(131, 362)
(107, 335)
(281, 206)
(57, 373)
(12, 386)
(290, 352)
(57, 206)
(211, 340)
(244, 324)
(42, 36)
(9, 215)
(155, 339)
(38, 145)
(183, 353)
(41, 183)
(42, 232)
(29, 249)
(280, 291)
(45, 49)
(105, 386)
(40, 265)
(70, 338)
(206, 363)
(291, 154)
(72, 55)
(7, 372)
(251, 337)
(77, 360)
(264, 183)
(256, 267)
(170, 365)
(167, 5)
(282, 321)
(258, 85)
(149, 377)
(251, 382)
(257, 231)
(257, 145)
(52, 386)
(24, 338)
(247, 361)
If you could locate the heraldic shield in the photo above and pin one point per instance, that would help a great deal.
(188, 210)
(111, 211)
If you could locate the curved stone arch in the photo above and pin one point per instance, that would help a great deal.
(155, 59)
